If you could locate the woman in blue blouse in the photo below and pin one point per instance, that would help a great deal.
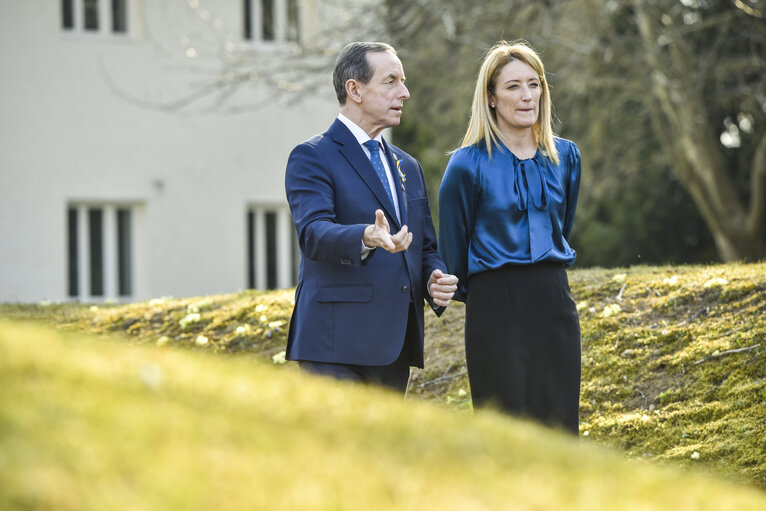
(506, 206)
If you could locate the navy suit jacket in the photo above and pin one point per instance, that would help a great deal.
(349, 310)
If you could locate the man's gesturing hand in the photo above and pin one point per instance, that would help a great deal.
(379, 235)
(441, 287)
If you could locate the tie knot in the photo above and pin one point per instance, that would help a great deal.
(372, 145)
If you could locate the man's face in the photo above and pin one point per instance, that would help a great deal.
(383, 96)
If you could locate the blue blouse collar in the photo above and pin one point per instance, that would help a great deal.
(529, 179)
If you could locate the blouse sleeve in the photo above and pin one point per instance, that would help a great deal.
(458, 195)
(573, 187)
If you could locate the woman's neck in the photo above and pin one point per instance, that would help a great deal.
(521, 143)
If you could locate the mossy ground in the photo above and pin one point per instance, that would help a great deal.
(674, 366)
(661, 377)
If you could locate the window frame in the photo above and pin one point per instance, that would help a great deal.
(113, 18)
(101, 250)
(271, 247)
(285, 18)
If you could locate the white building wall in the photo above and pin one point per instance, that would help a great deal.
(67, 137)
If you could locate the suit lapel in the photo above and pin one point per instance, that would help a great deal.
(354, 154)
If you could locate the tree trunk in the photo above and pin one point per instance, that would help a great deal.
(697, 154)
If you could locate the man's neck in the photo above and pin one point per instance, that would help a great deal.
(355, 116)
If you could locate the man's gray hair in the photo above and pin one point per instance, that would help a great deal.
(352, 64)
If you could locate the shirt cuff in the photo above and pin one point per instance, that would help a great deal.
(366, 250)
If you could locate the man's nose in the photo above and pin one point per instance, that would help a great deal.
(404, 93)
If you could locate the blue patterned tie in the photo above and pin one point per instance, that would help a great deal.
(377, 164)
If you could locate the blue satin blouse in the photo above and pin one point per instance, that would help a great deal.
(504, 210)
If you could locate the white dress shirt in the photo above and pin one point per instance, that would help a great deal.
(363, 137)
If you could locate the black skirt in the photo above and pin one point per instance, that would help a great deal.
(522, 343)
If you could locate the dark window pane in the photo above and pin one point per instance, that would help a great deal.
(96, 251)
(248, 19)
(90, 14)
(251, 250)
(119, 16)
(124, 248)
(293, 21)
(294, 256)
(271, 250)
(74, 289)
(267, 21)
(67, 14)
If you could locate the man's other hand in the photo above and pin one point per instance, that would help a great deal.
(441, 287)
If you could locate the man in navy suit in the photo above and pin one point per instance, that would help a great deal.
(365, 232)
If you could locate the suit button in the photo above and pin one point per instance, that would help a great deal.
(405, 289)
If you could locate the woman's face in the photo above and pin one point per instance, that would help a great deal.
(516, 97)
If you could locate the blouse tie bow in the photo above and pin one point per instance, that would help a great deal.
(532, 192)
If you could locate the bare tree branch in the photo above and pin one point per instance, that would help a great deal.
(750, 11)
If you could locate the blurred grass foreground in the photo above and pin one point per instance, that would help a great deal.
(674, 371)
(88, 424)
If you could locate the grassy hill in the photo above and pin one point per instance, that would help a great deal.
(674, 366)
(97, 424)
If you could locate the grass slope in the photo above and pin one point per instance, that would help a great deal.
(663, 375)
(93, 424)
(674, 366)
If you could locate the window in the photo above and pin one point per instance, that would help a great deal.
(271, 20)
(95, 16)
(67, 14)
(90, 14)
(96, 251)
(119, 16)
(271, 248)
(267, 20)
(295, 253)
(124, 253)
(100, 251)
(74, 289)
(248, 18)
(293, 21)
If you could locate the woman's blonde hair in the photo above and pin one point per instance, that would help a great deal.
(483, 124)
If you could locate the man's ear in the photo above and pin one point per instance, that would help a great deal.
(353, 92)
